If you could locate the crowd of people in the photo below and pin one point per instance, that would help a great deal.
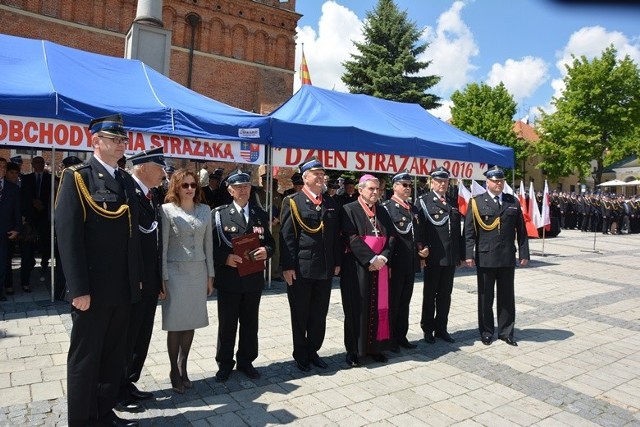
(130, 240)
(596, 212)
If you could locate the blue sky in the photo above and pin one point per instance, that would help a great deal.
(523, 43)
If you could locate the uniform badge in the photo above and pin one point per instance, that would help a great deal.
(404, 219)
(318, 208)
(233, 229)
(232, 211)
(401, 224)
(397, 205)
(436, 216)
(226, 228)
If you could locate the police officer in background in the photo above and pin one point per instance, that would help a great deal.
(310, 250)
(147, 172)
(238, 295)
(443, 234)
(409, 251)
(97, 222)
(493, 223)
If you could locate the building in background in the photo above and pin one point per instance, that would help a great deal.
(240, 52)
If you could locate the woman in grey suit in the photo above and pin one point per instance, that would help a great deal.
(187, 270)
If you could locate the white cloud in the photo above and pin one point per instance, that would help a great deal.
(451, 47)
(444, 111)
(330, 47)
(592, 41)
(521, 78)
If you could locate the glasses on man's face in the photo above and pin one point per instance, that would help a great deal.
(186, 185)
(116, 139)
(406, 184)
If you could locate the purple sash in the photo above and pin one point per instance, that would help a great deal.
(376, 243)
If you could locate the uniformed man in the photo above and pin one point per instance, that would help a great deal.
(409, 251)
(310, 257)
(97, 222)
(147, 172)
(492, 225)
(443, 232)
(212, 191)
(238, 295)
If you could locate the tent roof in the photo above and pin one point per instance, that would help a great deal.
(47, 80)
(316, 118)
(613, 183)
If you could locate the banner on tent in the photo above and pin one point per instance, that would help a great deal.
(359, 161)
(42, 134)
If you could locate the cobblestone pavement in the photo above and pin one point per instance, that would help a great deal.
(578, 326)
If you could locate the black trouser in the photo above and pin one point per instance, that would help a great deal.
(501, 278)
(436, 298)
(400, 292)
(309, 304)
(139, 333)
(237, 308)
(95, 361)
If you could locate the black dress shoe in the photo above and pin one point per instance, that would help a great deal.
(319, 362)
(352, 359)
(406, 344)
(380, 357)
(249, 371)
(129, 405)
(116, 421)
(444, 336)
(510, 341)
(303, 366)
(139, 394)
(429, 339)
(223, 374)
(486, 340)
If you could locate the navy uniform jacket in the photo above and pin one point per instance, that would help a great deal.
(231, 224)
(445, 241)
(496, 248)
(150, 242)
(29, 189)
(311, 255)
(405, 255)
(10, 215)
(99, 250)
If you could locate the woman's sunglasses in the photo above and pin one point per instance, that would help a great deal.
(186, 185)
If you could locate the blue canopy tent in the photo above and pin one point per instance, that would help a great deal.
(318, 118)
(42, 79)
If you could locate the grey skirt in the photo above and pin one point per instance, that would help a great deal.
(185, 307)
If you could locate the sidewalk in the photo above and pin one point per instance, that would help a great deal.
(577, 363)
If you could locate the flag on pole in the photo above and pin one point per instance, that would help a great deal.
(305, 77)
(532, 230)
(546, 205)
(534, 211)
(463, 198)
(507, 188)
(476, 189)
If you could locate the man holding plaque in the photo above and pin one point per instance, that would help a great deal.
(310, 257)
(241, 245)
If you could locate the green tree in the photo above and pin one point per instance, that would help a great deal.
(597, 118)
(487, 112)
(386, 65)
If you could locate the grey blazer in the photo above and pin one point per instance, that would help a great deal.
(186, 237)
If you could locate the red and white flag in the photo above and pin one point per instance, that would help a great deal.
(532, 230)
(464, 196)
(477, 189)
(534, 212)
(507, 188)
(546, 208)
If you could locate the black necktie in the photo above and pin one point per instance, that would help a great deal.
(497, 199)
(38, 183)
